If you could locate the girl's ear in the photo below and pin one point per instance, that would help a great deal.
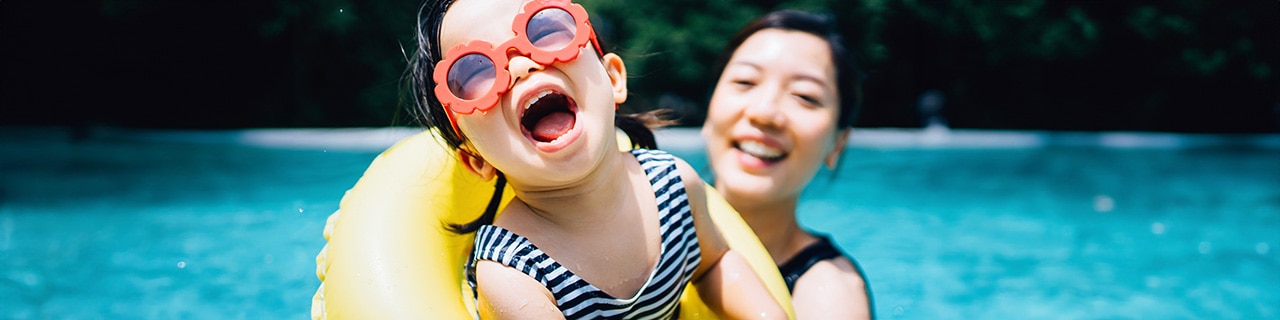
(617, 76)
(834, 157)
(477, 165)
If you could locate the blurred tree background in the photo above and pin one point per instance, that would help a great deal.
(1177, 65)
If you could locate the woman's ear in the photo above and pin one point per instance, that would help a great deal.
(617, 76)
(476, 165)
(833, 158)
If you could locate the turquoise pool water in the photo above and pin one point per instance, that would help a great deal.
(972, 224)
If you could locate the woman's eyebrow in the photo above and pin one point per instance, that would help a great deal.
(750, 64)
(792, 74)
(803, 76)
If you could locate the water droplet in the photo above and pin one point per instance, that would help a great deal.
(182, 264)
(898, 311)
(1205, 247)
(1157, 228)
(1103, 203)
(339, 10)
(299, 210)
(1262, 248)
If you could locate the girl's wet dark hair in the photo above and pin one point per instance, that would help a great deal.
(430, 113)
(848, 76)
(427, 109)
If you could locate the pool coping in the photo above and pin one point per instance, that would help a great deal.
(378, 138)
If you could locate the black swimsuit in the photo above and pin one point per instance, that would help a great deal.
(811, 255)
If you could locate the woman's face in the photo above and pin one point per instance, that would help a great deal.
(772, 120)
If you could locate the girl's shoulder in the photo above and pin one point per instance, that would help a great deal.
(693, 183)
(652, 155)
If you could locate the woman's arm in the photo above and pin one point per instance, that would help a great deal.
(507, 293)
(725, 280)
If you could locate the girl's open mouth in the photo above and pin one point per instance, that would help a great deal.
(549, 116)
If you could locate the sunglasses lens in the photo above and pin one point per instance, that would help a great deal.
(551, 29)
(470, 76)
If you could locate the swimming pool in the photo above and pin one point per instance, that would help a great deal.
(971, 224)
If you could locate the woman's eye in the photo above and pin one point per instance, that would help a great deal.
(809, 99)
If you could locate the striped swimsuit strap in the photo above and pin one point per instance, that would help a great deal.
(578, 299)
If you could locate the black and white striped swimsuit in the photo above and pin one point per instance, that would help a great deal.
(577, 299)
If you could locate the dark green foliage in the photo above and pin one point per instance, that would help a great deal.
(1178, 65)
(1029, 64)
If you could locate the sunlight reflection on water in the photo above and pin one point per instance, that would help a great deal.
(182, 224)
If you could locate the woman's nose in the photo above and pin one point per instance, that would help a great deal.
(764, 110)
(520, 67)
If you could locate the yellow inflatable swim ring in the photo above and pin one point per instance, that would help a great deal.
(388, 255)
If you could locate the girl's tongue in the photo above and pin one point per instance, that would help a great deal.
(549, 116)
(552, 126)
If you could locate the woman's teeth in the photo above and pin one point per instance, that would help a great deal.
(760, 150)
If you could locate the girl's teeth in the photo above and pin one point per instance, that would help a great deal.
(535, 99)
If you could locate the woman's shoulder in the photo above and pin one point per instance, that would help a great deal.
(832, 287)
(839, 268)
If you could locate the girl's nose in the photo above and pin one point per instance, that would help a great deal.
(520, 67)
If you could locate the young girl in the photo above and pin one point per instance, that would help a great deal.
(524, 94)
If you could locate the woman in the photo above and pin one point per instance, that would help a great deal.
(783, 106)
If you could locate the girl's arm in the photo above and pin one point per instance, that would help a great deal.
(506, 293)
(725, 281)
(732, 290)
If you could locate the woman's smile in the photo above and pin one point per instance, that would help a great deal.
(758, 154)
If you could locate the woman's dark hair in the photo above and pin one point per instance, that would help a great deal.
(848, 76)
(430, 113)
